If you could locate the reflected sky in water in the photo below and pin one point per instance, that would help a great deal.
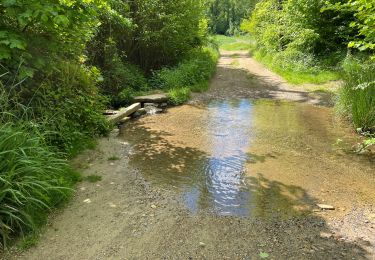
(248, 157)
(225, 191)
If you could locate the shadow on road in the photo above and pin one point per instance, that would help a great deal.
(232, 82)
(280, 221)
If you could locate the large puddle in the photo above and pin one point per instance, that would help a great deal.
(244, 157)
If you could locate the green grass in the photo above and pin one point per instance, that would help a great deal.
(81, 144)
(200, 87)
(93, 178)
(33, 180)
(178, 96)
(293, 74)
(192, 74)
(237, 46)
(306, 77)
(357, 96)
(223, 39)
(29, 241)
(113, 158)
(369, 142)
(238, 43)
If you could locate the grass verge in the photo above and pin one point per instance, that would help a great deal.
(293, 71)
(33, 181)
(192, 74)
(297, 72)
(357, 96)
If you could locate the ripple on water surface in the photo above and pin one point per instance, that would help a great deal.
(244, 157)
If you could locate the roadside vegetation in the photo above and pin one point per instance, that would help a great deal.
(317, 42)
(62, 63)
(310, 42)
(191, 74)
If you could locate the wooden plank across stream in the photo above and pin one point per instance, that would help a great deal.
(124, 112)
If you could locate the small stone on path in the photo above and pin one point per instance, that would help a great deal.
(202, 244)
(153, 206)
(325, 207)
(87, 201)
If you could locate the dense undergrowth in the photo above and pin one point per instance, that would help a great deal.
(319, 41)
(191, 74)
(35, 177)
(357, 95)
(61, 64)
(294, 69)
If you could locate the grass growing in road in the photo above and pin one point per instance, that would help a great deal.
(113, 158)
(93, 178)
(235, 63)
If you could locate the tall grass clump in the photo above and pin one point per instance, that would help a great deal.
(33, 178)
(357, 96)
(192, 74)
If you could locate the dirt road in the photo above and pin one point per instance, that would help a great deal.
(129, 215)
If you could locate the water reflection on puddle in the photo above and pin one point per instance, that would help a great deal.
(214, 154)
(224, 188)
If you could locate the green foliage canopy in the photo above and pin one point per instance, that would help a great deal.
(364, 22)
(225, 16)
(32, 30)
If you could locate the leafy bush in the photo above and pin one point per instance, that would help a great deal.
(33, 32)
(32, 180)
(192, 74)
(364, 22)
(178, 96)
(67, 106)
(357, 96)
(163, 32)
(197, 67)
(299, 36)
(121, 80)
